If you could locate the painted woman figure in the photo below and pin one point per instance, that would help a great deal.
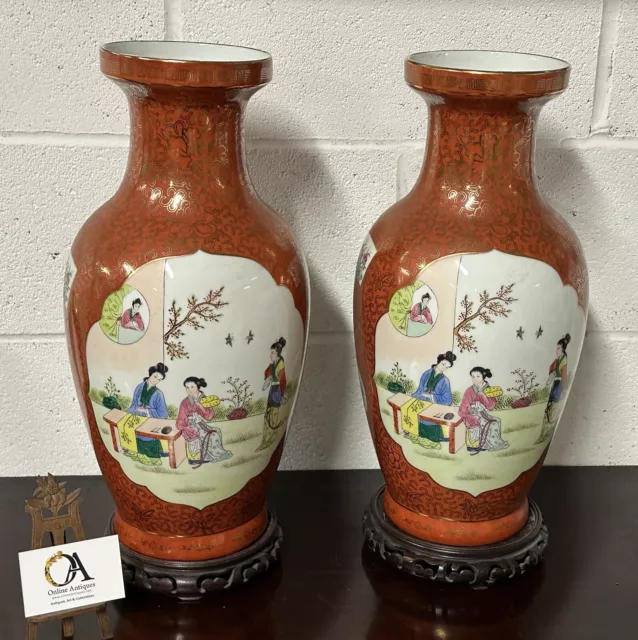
(419, 320)
(148, 401)
(557, 381)
(434, 386)
(203, 440)
(275, 378)
(420, 311)
(131, 318)
(483, 430)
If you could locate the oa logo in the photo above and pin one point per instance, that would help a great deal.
(75, 566)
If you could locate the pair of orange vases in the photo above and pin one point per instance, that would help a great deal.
(187, 306)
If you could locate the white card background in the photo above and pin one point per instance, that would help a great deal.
(89, 572)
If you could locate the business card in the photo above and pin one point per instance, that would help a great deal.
(68, 576)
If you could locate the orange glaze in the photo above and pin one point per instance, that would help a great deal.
(454, 532)
(192, 548)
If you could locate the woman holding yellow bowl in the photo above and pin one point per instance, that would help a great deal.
(203, 440)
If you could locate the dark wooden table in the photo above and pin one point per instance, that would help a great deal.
(329, 588)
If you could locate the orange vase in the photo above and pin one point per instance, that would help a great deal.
(470, 307)
(187, 312)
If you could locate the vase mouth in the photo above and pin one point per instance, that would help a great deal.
(486, 73)
(180, 63)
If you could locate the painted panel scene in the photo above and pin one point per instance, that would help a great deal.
(196, 406)
(125, 316)
(475, 400)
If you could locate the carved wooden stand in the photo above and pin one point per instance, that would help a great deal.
(52, 496)
(478, 567)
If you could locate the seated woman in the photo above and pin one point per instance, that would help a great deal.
(420, 311)
(203, 440)
(434, 387)
(483, 430)
(148, 401)
(131, 318)
(420, 318)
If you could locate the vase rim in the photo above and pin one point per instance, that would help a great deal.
(486, 73)
(181, 63)
(488, 61)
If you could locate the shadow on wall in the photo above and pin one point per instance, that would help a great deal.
(568, 185)
(562, 178)
(588, 419)
(298, 185)
(297, 182)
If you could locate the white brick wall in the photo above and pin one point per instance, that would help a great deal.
(334, 138)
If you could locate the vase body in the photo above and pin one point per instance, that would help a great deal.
(470, 306)
(186, 305)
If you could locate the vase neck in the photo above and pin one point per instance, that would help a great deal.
(180, 133)
(476, 143)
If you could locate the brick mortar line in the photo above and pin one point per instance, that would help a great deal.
(173, 20)
(609, 27)
(121, 141)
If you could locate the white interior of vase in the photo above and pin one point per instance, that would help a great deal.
(488, 61)
(186, 51)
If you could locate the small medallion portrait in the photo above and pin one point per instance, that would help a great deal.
(125, 316)
(414, 310)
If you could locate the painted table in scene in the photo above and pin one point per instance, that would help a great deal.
(453, 425)
(151, 428)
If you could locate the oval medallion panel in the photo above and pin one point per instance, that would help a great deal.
(473, 366)
(193, 373)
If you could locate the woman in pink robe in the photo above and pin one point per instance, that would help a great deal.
(420, 312)
(203, 441)
(131, 318)
(483, 430)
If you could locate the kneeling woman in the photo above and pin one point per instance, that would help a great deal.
(483, 430)
(203, 440)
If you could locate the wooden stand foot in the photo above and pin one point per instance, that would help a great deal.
(32, 630)
(104, 624)
(67, 628)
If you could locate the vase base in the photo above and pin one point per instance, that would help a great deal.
(478, 567)
(451, 533)
(194, 580)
